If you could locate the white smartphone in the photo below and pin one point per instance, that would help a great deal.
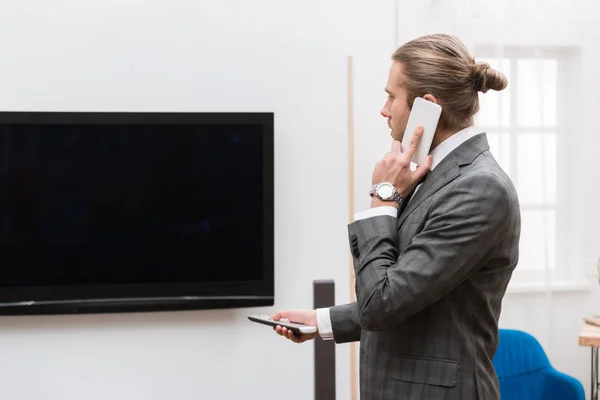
(293, 326)
(427, 114)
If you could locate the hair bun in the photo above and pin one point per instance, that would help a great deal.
(487, 78)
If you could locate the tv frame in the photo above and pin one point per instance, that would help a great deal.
(154, 297)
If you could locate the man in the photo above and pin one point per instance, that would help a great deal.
(431, 271)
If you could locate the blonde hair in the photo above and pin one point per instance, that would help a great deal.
(441, 65)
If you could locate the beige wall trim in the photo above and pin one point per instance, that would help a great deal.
(353, 345)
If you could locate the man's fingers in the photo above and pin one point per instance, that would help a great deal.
(295, 338)
(290, 335)
(396, 147)
(423, 169)
(415, 140)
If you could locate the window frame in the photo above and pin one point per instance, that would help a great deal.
(568, 112)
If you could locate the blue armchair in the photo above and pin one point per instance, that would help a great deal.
(525, 373)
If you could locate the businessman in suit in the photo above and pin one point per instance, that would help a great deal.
(434, 255)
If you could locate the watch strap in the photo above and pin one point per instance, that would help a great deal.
(396, 196)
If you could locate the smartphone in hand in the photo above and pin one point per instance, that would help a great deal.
(426, 114)
(293, 326)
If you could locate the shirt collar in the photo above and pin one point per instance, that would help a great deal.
(450, 144)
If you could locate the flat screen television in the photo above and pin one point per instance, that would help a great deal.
(123, 212)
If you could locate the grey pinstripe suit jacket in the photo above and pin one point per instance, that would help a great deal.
(430, 284)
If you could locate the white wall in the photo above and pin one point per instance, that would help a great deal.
(185, 55)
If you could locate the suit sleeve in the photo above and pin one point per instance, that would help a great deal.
(344, 322)
(456, 238)
(341, 323)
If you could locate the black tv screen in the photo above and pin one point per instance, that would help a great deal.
(105, 212)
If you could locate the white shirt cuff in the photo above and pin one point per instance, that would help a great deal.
(376, 211)
(324, 323)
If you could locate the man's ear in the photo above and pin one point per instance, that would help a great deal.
(431, 98)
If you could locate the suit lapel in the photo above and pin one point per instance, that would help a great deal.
(443, 174)
(446, 171)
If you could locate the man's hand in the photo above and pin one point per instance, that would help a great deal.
(307, 317)
(395, 166)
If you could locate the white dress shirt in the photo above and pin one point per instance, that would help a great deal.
(439, 153)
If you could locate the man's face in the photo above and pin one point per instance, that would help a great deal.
(395, 109)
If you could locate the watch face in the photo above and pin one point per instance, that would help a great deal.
(385, 191)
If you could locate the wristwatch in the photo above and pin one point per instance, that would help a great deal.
(386, 192)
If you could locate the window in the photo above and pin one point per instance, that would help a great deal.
(523, 124)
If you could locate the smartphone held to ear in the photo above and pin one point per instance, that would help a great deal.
(426, 114)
